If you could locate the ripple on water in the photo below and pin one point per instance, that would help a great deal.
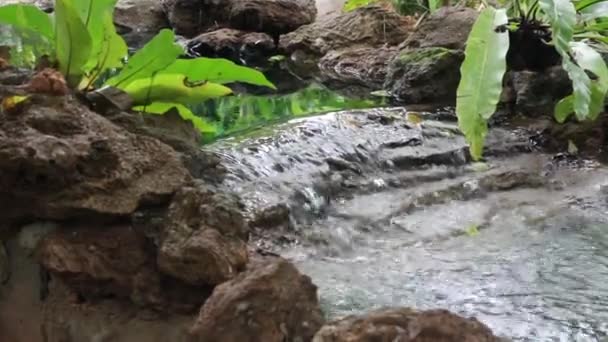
(535, 273)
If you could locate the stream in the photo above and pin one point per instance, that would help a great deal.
(386, 209)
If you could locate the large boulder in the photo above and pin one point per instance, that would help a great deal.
(426, 70)
(274, 17)
(114, 262)
(424, 75)
(535, 93)
(59, 160)
(139, 20)
(364, 66)
(448, 27)
(236, 45)
(405, 325)
(204, 238)
(193, 17)
(270, 302)
(371, 26)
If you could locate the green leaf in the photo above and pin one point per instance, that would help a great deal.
(562, 17)
(472, 230)
(351, 5)
(481, 77)
(155, 56)
(72, 43)
(587, 59)
(108, 48)
(27, 17)
(186, 114)
(434, 5)
(594, 11)
(218, 71)
(173, 88)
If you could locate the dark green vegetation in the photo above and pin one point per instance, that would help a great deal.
(533, 35)
(80, 39)
(402, 6)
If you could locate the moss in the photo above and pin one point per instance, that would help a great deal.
(425, 55)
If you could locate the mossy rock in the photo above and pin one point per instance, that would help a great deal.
(429, 55)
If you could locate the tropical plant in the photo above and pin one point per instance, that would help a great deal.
(575, 31)
(81, 40)
(405, 7)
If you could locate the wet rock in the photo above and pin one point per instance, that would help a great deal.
(270, 302)
(425, 75)
(388, 325)
(371, 26)
(139, 20)
(274, 17)
(448, 27)
(536, 93)
(193, 17)
(236, 45)
(366, 66)
(59, 160)
(31, 234)
(204, 240)
(273, 216)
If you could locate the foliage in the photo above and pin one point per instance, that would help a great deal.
(482, 72)
(86, 47)
(578, 32)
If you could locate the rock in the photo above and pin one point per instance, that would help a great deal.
(329, 7)
(536, 93)
(236, 45)
(204, 240)
(274, 17)
(424, 75)
(45, 5)
(115, 262)
(405, 325)
(193, 17)
(365, 66)
(30, 235)
(59, 160)
(139, 20)
(270, 302)
(371, 26)
(448, 27)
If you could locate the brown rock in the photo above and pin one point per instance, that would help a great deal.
(270, 302)
(365, 66)
(448, 27)
(48, 81)
(371, 26)
(233, 44)
(59, 160)
(115, 262)
(139, 20)
(204, 240)
(192, 17)
(274, 17)
(405, 325)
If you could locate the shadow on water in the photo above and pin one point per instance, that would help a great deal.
(241, 113)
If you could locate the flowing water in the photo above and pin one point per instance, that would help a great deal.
(385, 210)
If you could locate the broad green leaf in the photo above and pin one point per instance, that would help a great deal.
(587, 59)
(107, 48)
(481, 77)
(434, 5)
(218, 71)
(108, 55)
(27, 17)
(72, 43)
(186, 114)
(583, 4)
(173, 88)
(562, 17)
(351, 5)
(155, 56)
(597, 10)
